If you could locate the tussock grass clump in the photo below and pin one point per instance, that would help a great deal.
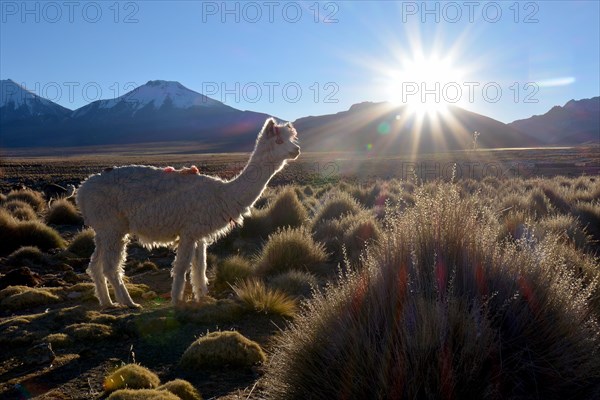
(360, 233)
(22, 297)
(2, 198)
(58, 340)
(567, 227)
(352, 232)
(34, 199)
(218, 349)
(290, 249)
(285, 210)
(83, 244)
(445, 311)
(230, 271)
(142, 394)
(63, 212)
(27, 255)
(20, 210)
(294, 283)
(89, 331)
(338, 205)
(539, 204)
(589, 217)
(15, 234)
(131, 376)
(211, 310)
(262, 299)
(183, 389)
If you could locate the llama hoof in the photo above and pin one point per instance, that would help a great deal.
(135, 306)
(109, 306)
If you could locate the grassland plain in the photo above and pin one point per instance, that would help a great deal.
(445, 283)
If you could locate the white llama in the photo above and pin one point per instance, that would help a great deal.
(165, 206)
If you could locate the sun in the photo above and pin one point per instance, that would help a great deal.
(426, 84)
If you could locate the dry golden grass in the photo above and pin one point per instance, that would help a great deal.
(220, 349)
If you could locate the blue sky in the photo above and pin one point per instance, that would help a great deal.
(292, 59)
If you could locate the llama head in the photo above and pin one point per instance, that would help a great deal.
(279, 141)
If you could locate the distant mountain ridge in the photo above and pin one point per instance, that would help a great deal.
(167, 111)
(391, 129)
(159, 111)
(577, 122)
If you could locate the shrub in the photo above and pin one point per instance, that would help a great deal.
(289, 249)
(131, 376)
(338, 205)
(63, 212)
(15, 234)
(142, 394)
(35, 199)
(218, 349)
(445, 311)
(183, 389)
(2, 198)
(262, 299)
(20, 210)
(83, 244)
(294, 283)
(230, 271)
(22, 297)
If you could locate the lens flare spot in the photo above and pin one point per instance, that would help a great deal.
(369, 146)
(384, 128)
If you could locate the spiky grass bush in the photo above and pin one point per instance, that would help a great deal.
(294, 283)
(15, 234)
(34, 199)
(566, 227)
(360, 233)
(440, 309)
(27, 255)
(131, 376)
(20, 210)
(290, 249)
(142, 394)
(2, 198)
(339, 204)
(22, 297)
(89, 331)
(182, 389)
(589, 217)
(63, 212)
(218, 349)
(285, 210)
(230, 271)
(83, 244)
(351, 232)
(260, 298)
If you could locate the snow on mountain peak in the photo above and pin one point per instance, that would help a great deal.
(158, 92)
(18, 95)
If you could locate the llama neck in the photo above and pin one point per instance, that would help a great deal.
(247, 187)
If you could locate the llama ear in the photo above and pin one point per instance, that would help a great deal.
(269, 127)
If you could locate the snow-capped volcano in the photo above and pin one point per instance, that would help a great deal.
(155, 94)
(16, 102)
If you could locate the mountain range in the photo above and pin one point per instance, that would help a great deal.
(166, 111)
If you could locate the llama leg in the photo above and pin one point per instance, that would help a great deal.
(198, 274)
(96, 272)
(185, 252)
(113, 269)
